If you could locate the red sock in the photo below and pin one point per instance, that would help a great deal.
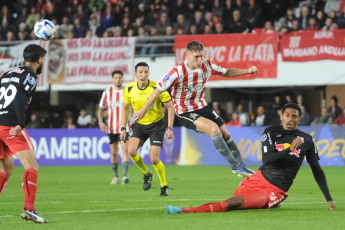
(209, 207)
(3, 180)
(30, 187)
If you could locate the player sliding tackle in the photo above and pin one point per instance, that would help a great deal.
(283, 150)
(187, 82)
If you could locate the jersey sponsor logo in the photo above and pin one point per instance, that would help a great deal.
(12, 79)
(166, 78)
(264, 137)
(29, 79)
(193, 116)
(3, 112)
(192, 89)
(281, 147)
(157, 142)
(116, 104)
(204, 75)
(17, 70)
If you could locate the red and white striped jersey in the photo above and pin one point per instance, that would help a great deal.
(112, 99)
(187, 86)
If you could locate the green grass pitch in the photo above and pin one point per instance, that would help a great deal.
(81, 198)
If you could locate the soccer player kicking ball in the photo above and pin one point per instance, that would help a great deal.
(112, 100)
(151, 126)
(283, 150)
(187, 82)
(17, 87)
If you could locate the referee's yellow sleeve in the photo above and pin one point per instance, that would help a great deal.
(126, 96)
(164, 97)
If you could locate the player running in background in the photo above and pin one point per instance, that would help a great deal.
(112, 99)
(283, 150)
(187, 82)
(151, 126)
(17, 87)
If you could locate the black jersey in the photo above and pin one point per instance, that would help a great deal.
(280, 165)
(16, 89)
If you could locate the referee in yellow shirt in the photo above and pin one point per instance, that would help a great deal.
(151, 126)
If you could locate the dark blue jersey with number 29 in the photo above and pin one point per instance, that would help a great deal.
(16, 89)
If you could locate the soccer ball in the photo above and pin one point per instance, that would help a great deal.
(44, 30)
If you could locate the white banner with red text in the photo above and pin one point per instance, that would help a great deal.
(235, 51)
(313, 45)
(83, 61)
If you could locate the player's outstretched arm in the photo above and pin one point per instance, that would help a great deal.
(171, 115)
(234, 72)
(141, 113)
(124, 120)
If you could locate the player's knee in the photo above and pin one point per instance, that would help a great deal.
(114, 153)
(236, 203)
(214, 129)
(155, 160)
(132, 153)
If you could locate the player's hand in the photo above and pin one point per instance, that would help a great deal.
(123, 136)
(14, 131)
(298, 141)
(103, 127)
(169, 134)
(332, 205)
(139, 115)
(253, 70)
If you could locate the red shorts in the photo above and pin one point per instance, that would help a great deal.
(257, 184)
(8, 147)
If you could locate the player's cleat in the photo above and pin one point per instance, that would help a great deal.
(115, 180)
(165, 190)
(242, 171)
(124, 180)
(147, 180)
(33, 216)
(3, 188)
(172, 209)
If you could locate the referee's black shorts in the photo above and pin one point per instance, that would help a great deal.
(154, 131)
(187, 119)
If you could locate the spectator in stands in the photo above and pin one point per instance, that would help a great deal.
(219, 28)
(243, 115)
(334, 110)
(95, 12)
(34, 122)
(65, 27)
(107, 18)
(193, 30)
(312, 24)
(237, 25)
(179, 31)
(84, 119)
(10, 36)
(179, 7)
(216, 107)
(341, 19)
(304, 18)
(199, 22)
(332, 15)
(268, 27)
(276, 118)
(115, 31)
(181, 24)
(254, 14)
(79, 30)
(126, 25)
(295, 25)
(324, 119)
(5, 14)
(190, 12)
(169, 32)
(320, 5)
(235, 121)
(280, 25)
(320, 19)
(69, 124)
(162, 25)
(22, 17)
(33, 17)
(342, 7)
(208, 29)
(261, 118)
(288, 99)
(276, 105)
(217, 9)
(340, 119)
(289, 17)
(299, 100)
(331, 5)
(305, 116)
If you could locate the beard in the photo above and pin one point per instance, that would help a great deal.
(39, 69)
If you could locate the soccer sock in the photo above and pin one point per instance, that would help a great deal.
(138, 161)
(221, 146)
(160, 170)
(125, 168)
(3, 180)
(30, 188)
(115, 166)
(209, 207)
(234, 150)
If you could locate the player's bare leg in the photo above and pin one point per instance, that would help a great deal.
(159, 168)
(28, 159)
(6, 168)
(114, 158)
(125, 162)
(133, 145)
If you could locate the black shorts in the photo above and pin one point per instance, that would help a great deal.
(154, 131)
(187, 119)
(113, 138)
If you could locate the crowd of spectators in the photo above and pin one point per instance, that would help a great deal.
(124, 18)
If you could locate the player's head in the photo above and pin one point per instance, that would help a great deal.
(194, 54)
(117, 78)
(142, 72)
(35, 54)
(291, 114)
